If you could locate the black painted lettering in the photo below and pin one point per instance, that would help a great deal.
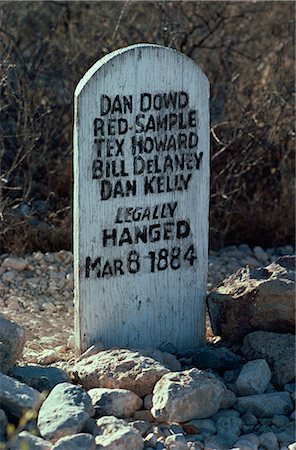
(122, 126)
(89, 265)
(111, 127)
(127, 104)
(183, 229)
(192, 140)
(183, 99)
(97, 169)
(109, 235)
(168, 231)
(141, 234)
(192, 119)
(139, 165)
(145, 102)
(125, 237)
(139, 124)
(105, 105)
(118, 270)
(98, 127)
(154, 233)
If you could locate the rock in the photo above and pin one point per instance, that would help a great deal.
(277, 349)
(48, 357)
(26, 440)
(255, 299)
(40, 378)
(268, 441)
(182, 396)
(171, 362)
(280, 421)
(205, 427)
(247, 442)
(229, 425)
(219, 359)
(260, 254)
(228, 400)
(253, 378)
(17, 397)
(287, 436)
(148, 401)
(12, 341)
(143, 414)
(119, 369)
(64, 412)
(219, 442)
(92, 350)
(78, 441)
(3, 423)
(249, 419)
(117, 434)
(176, 442)
(265, 405)
(15, 263)
(115, 402)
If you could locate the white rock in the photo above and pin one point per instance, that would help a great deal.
(17, 397)
(78, 441)
(119, 368)
(115, 402)
(48, 357)
(64, 412)
(117, 434)
(26, 440)
(15, 263)
(182, 396)
(253, 378)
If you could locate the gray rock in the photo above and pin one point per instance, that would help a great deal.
(64, 412)
(229, 426)
(249, 419)
(269, 441)
(3, 423)
(15, 263)
(17, 397)
(253, 378)
(247, 442)
(117, 434)
(78, 441)
(120, 369)
(219, 359)
(220, 442)
(176, 442)
(265, 405)
(115, 402)
(12, 341)
(228, 400)
(205, 427)
(26, 440)
(40, 378)
(182, 396)
(255, 299)
(277, 349)
(280, 421)
(287, 436)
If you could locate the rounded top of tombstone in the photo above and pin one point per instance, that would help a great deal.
(139, 50)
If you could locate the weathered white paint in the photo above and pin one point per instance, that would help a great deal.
(144, 308)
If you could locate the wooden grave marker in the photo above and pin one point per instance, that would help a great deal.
(141, 194)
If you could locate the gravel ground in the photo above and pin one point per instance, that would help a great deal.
(36, 291)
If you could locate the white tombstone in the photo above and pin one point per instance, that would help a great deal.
(141, 196)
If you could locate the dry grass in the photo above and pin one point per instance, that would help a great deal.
(247, 51)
